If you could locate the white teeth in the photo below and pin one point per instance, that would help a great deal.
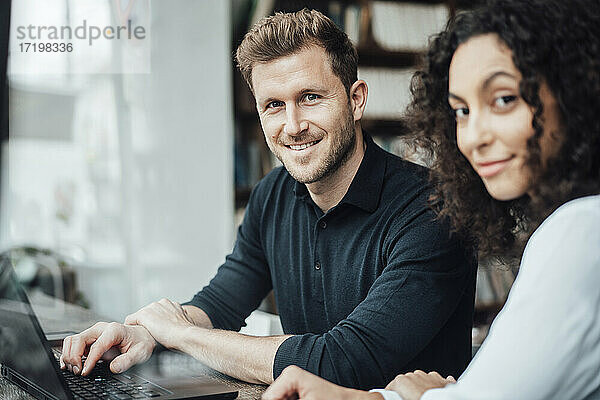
(302, 146)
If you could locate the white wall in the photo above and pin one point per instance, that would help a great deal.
(165, 216)
(181, 188)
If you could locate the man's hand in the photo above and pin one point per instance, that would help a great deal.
(164, 319)
(124, 345)
(296, 383)
(411, 386)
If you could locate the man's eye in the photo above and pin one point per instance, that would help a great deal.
(311, 96)
(504, 101)
(275, 104)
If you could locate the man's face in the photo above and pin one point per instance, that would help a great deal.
(305, 113)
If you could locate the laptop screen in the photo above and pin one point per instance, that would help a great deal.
(22, 348)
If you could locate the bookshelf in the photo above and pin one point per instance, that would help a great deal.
(391, 37)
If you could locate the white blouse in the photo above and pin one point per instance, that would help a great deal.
(545, 343)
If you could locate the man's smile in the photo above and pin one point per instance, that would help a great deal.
(299, 147)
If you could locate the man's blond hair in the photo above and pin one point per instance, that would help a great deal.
(284, 34)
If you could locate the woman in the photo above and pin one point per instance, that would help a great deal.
(507, 105)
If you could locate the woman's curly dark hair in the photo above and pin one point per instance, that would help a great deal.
(555, 42)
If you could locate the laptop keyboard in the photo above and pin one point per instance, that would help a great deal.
(103, 384)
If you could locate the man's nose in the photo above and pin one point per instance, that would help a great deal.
(294, 122)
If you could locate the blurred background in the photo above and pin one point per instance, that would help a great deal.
(127, 164)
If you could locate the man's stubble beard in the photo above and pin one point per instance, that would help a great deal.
(341, 150)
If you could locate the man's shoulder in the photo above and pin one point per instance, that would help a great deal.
(399, 168)
(403, 178)
(405, 192)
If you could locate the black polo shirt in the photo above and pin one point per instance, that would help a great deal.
(372, 288)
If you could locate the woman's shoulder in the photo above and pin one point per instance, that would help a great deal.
(587, 204)
(571, 228)
(584, 211)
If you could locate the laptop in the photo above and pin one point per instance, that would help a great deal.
(29, 361)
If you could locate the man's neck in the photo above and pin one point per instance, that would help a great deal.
(328, 192)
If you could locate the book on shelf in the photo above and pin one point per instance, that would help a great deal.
(260, 9)
(400, 26)
(352, 23)
(351, 18)
(389, 91)
(253, 160)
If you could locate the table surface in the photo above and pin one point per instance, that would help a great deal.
(55, 315)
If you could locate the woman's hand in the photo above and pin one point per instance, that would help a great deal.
(296, 383)
(411, 386)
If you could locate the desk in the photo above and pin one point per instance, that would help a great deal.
(55, 315)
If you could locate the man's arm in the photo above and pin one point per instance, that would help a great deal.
(183, 328)
(197, 316)
(248, 358)
(244, 357)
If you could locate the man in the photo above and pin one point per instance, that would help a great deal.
(367, 283)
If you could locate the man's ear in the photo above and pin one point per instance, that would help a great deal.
(358, 98)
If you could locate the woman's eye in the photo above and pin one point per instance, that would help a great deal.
(461, 113)
(504, 101)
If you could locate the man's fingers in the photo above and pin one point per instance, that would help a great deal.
(66, 351)
(451, 379)
(111, 336)
(136, 354)
(74, 347)
(66, 348)
(77, 350)
(121, 363)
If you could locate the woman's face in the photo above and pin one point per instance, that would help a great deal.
(493, 122)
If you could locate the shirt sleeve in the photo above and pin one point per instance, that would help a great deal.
(545, 344)
(424, 279)
(244, 279)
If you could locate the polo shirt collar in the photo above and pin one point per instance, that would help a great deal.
(365, 190)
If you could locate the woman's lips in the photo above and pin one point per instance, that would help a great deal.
(491, 168)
